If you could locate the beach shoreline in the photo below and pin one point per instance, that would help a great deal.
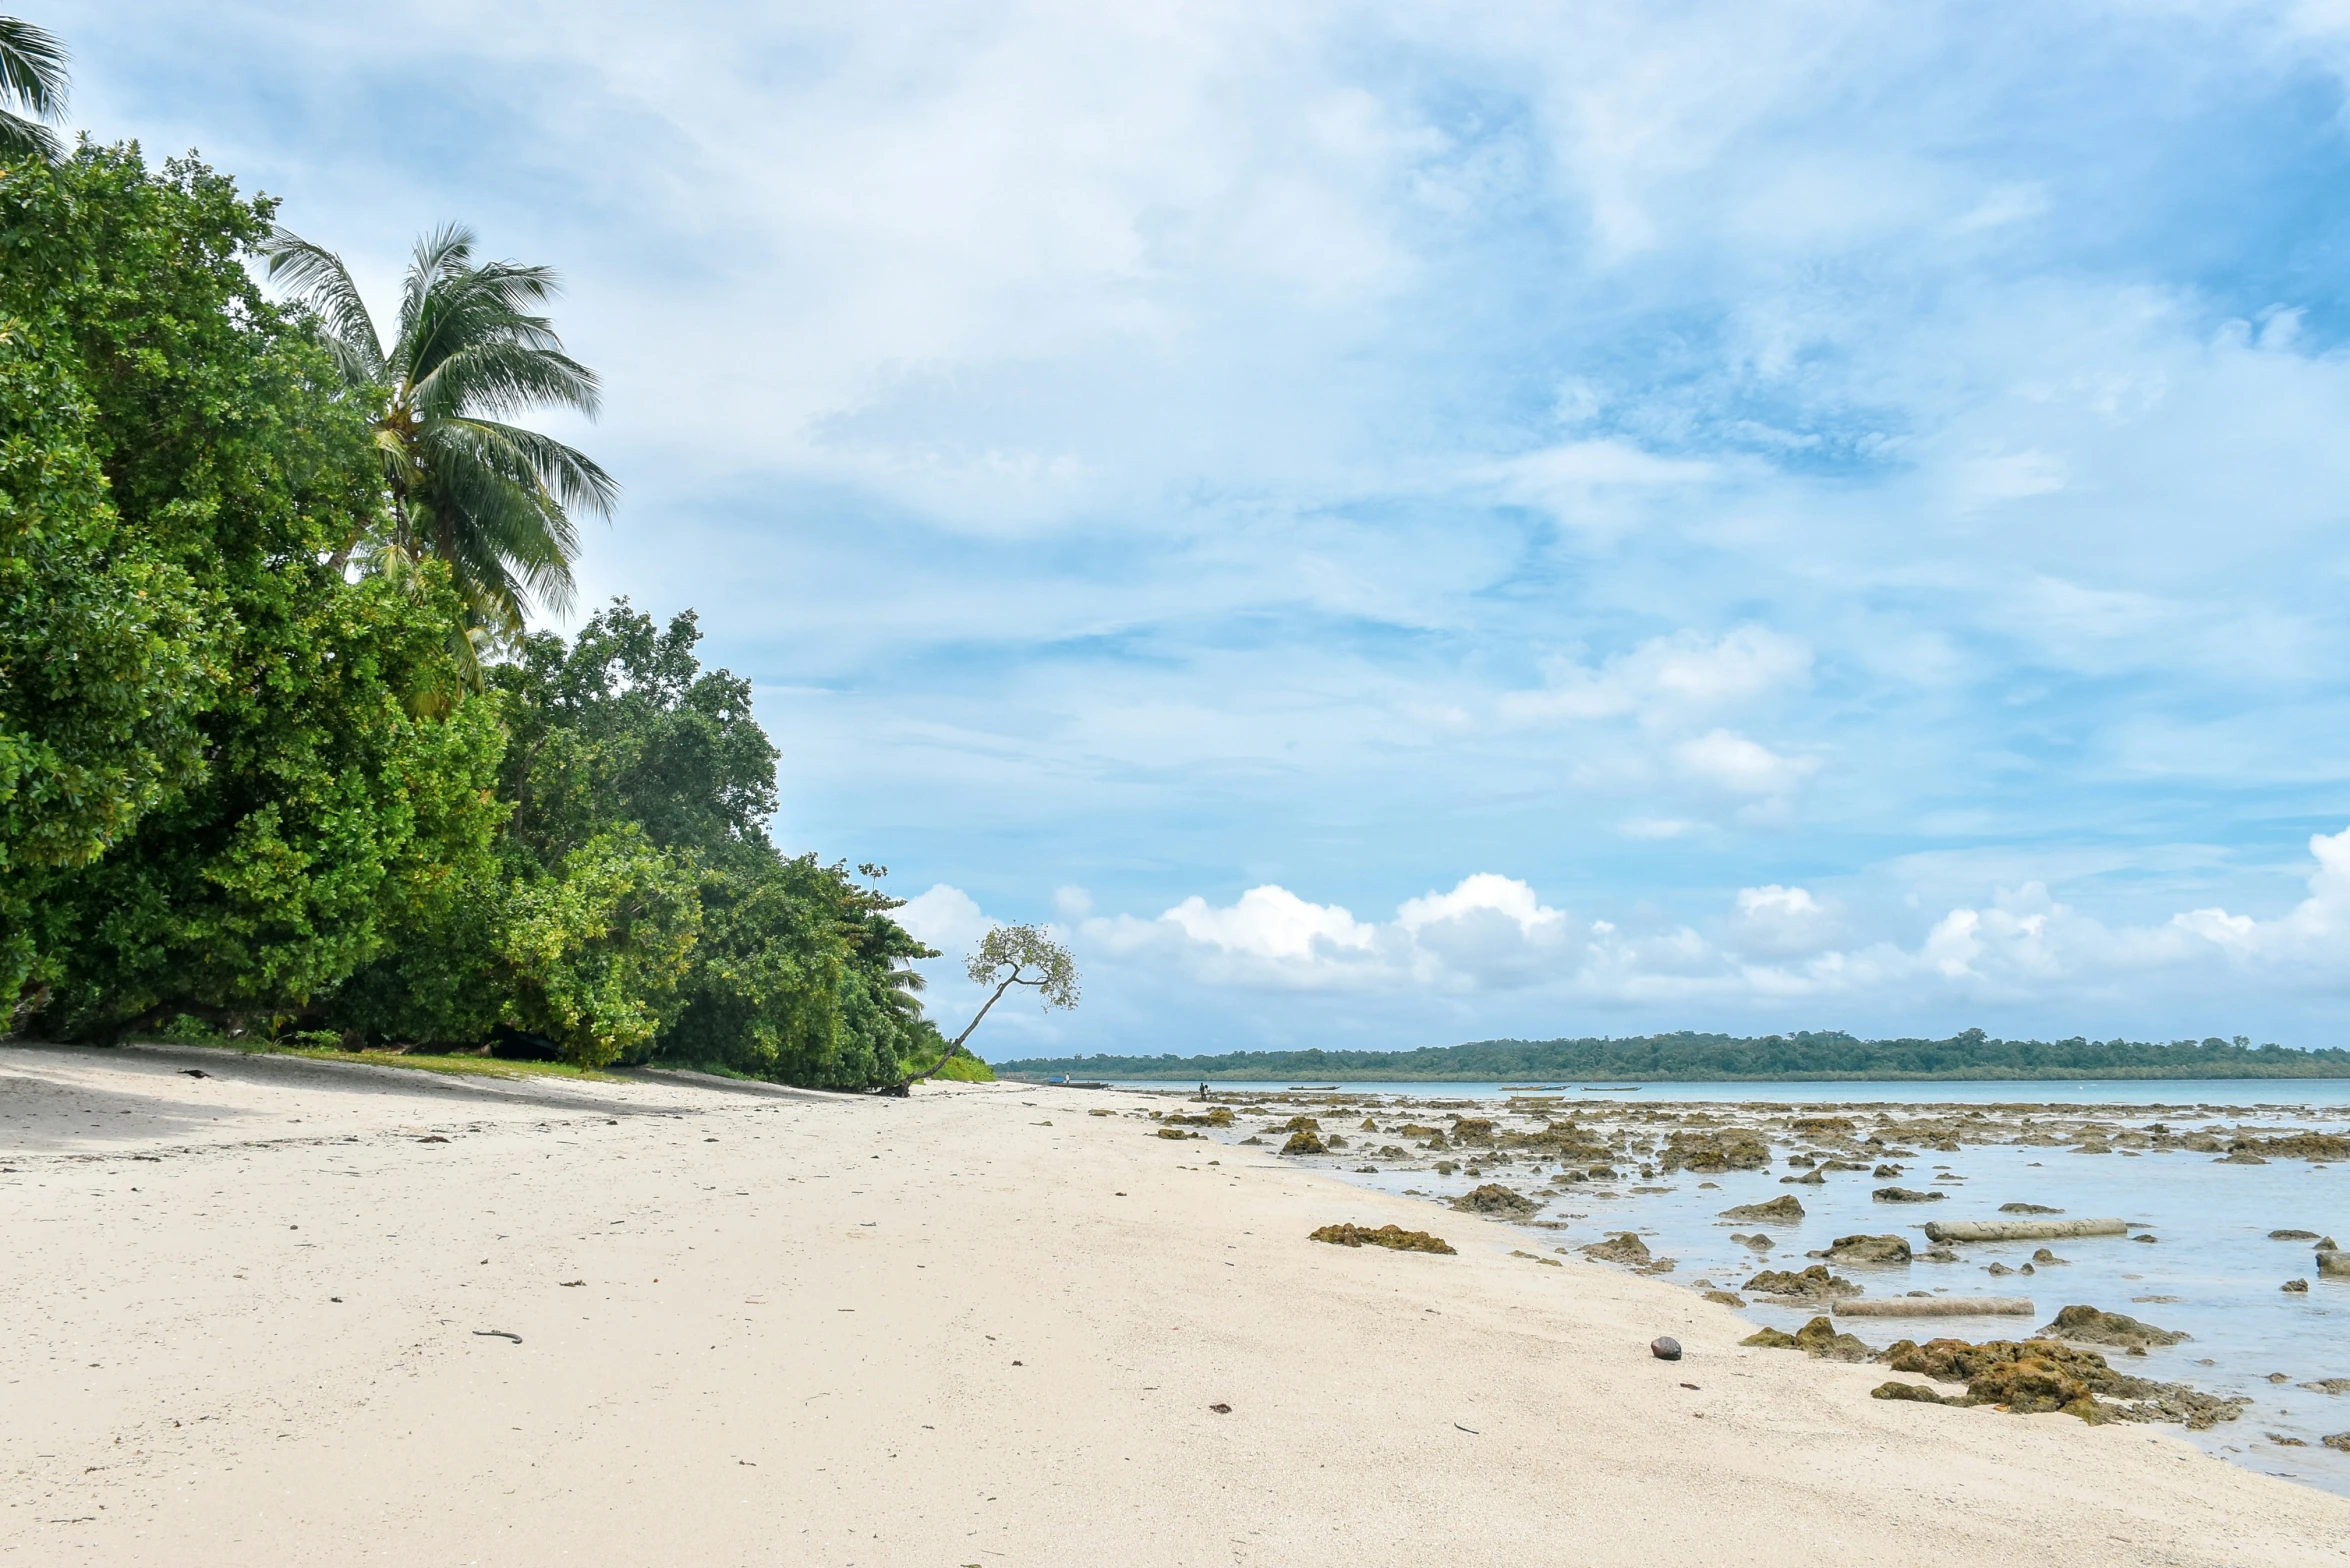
(978, 1325)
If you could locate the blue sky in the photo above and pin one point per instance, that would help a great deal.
(1393, 524)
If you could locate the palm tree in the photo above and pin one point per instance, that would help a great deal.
(490, 498)
(32, 74)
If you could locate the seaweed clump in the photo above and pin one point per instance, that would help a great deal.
(1393, 1237)
(2036, 1376)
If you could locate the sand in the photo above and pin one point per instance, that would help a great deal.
(979, 1326)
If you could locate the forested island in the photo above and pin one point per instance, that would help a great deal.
(1689, 1057)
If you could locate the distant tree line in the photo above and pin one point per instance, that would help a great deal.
(279, 755)
(1689, 1057)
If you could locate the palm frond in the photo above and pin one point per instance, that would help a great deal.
(527, 456)
(445, 253)
(20, 136)
(32, 67)
(317, 278)
(499, 376)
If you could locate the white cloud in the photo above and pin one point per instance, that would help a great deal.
(1273, 923)
(1781, 922)
(1668, 676)
(944, 917)
(1729, 761)
(1491, 935)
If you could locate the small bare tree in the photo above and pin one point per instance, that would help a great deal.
(1008, 956)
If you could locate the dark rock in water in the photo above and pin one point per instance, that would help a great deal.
(2296, 1146)
(1887, 1173)
(1493, 1198)
(1780, 1208)
(1810, 1179)
(2088, 1325)
(2330, 1385)
(2340, 1440)
(1819, 1338)
(1179, 1134)
(1298, 1124)
(1708, 1152)
(1814, 1283)
(2027, 1208)
(1623, 1247)
(1868, 1249)
(2047, 1259)
(2295, 1287)
(1665, 1348)
(1906, 1195)
(1998, 1268)
(2333, 1265)
(1303, 1143)
(1393, 1237)
(1728, 1298)
(1770, 1339)
(2149, 1239)
(1758, 1241)
(2292, 1235)
(1912, 1391)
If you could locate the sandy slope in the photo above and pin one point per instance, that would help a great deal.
(826, 1331)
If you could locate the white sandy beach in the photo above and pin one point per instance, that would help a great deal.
(977, 1327)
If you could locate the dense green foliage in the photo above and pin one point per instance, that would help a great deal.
(245, 788)
(224, 775)
(1720, 1058)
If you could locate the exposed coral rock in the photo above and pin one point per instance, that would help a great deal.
(1869, 1249)
(1819, 1338)
(1728, 1298)
(1709, 1152)
(1758, 1241)
(1219, 1117)
(2027, 1208)
(2089, 1326)
(1911, 1391)
(1783, 1207)
(1493, 1198)
(1176, 1133)
(1472, 1129)
(1813, 1284)
(1303, 1143)
(1906, 1195)
(1623, 1247)
(1393, 1237)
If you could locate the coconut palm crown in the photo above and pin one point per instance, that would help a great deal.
(492, 499)
(32, 77)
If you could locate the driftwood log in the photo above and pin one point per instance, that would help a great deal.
(2021, 1230)
(1934, 1307)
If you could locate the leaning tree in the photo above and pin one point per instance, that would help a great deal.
(1007, 956)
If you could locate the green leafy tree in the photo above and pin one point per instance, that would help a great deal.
(1008, 956)
(103, 654)
(595, 954)
(295, 767)
(491, 498)
(32, 78)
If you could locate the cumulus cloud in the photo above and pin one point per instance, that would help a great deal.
(1491, 934)
(944, 917)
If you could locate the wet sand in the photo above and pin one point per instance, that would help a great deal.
(979, 1326)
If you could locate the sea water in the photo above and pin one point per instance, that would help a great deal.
(2211, 1270)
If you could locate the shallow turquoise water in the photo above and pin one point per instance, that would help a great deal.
(2213, 1257)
